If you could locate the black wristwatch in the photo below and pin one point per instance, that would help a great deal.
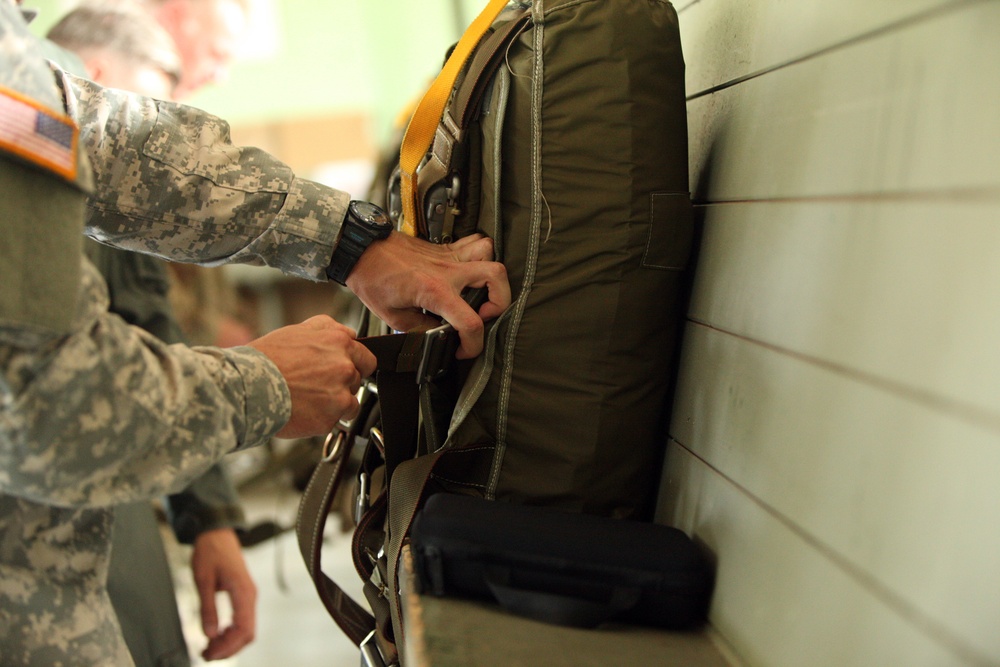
(364, 223)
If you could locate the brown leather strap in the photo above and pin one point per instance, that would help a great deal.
(314, 508)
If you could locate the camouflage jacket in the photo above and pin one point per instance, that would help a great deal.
(94, 412)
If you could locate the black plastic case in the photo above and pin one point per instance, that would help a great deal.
(570, 569)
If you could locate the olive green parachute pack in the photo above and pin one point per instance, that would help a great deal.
(563, 137)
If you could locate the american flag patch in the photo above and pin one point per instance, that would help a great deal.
(37, 134)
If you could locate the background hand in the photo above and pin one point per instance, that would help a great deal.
(218, 566)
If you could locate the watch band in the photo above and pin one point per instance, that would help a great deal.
(358, 232)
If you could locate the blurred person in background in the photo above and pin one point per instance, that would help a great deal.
(122, 47)
(207, 34)
(206, 302)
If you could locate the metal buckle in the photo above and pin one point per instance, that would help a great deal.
(441, 343)
(378, 439)
(441, 209)
(439, 348)
(367, 387)
(361, 504)
(376, 578)
(371, 656)
(451, 210)
(333, 446)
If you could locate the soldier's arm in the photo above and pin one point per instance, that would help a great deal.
(94, 412)
(110, 414)
(168, 181)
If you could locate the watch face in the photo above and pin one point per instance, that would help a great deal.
(369, 213)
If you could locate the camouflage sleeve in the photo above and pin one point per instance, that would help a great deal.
(168, 181)
(110, 414)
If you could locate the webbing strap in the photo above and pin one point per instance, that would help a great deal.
(310, 523)
(396, 353)
(409, 483)
(423, 125)
(398, 358)
(485, 63)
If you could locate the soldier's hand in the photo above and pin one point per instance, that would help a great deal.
(401, 277)
(323, 364)
(218, 567)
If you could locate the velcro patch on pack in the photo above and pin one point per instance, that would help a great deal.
(36, 134)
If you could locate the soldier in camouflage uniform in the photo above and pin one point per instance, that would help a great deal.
(126, 48)
(94, 412)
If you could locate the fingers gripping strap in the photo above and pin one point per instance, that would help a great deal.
(423, 124)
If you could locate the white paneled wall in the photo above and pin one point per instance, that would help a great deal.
(836, 436)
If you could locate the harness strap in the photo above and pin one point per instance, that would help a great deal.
(485, 63)
(423, 125)
(398, 358)
(314, 508)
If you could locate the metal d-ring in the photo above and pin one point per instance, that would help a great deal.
(379, 440)
(333, 446)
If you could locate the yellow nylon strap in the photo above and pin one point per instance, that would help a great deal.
(420, 131)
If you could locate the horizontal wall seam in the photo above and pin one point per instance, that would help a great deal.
(912, 614)
(987, 194)
(961, 410)
(680, 8)
(933, 13)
